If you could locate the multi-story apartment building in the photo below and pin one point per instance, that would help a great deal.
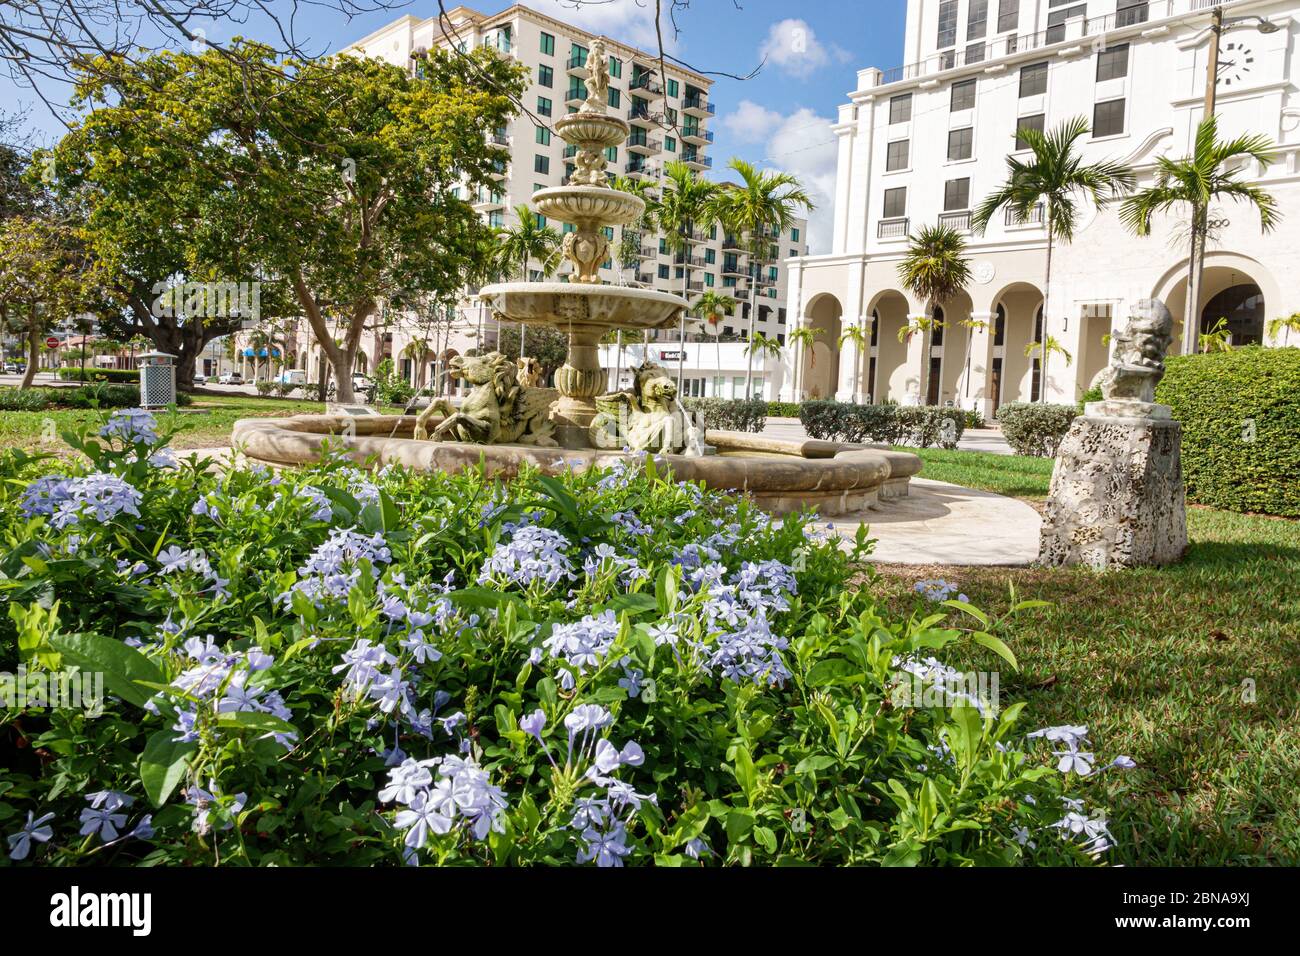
(926, 142)
(669, 109)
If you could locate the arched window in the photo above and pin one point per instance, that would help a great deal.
(936, 335)
(1243, 307)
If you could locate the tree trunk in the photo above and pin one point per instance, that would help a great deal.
(753, 316)
(1191, 320)
(33, 356)
(340, 358)
(1047, 315)
(681, 325)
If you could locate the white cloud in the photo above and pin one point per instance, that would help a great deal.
(792, 47)
(800, 143)
(628, 21)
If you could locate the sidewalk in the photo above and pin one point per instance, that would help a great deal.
(974, 439)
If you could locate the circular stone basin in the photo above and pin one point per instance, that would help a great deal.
(781, 475)
(564, 305)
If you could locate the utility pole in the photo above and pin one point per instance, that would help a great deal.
(1212, 67)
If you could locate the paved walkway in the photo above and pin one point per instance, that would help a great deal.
(939, 523)
(973, 439)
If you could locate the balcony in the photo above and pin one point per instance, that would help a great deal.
(729, 244)
(696, 262)
(893, 228)
(498, 139)
(697, 106)
(641, 116)
(643, 278)
(696, 161)
(489, 201)
(1035, 217)
(697, 237)
(498, 170)
(641, 168)
(733, 269)
(577, 95)
(958, 221)
(639, 142)
(577, 66)
(570, 152)
(647, 252)
(693, 286)
(646, 83)
(697, 136)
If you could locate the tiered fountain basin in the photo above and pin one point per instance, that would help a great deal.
(781, 475)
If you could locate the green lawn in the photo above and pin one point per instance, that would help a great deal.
(1159, 664)
(26, 429)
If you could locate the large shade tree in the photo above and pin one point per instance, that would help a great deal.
(762, 203)
(340, 179)
(1055, 177)
(1191, 185)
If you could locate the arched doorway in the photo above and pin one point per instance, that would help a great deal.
(889, 377)
(1017, 323)
(820, 374)
(1242, 306)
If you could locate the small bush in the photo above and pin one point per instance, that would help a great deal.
(391, 388)
(1240, 413)
(1091, 395)
(1035, 428)
(915, 425)
(974, 418)
(730, 414)
(71, 373)
(24, 400)
(783, 409)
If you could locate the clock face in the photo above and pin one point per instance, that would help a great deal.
(1236, 63)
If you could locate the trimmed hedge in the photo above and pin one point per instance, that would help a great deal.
(74, 373)
(783, 409)
(918, 426)
(99, 395)
(1240, 413)
(1035, 428)
(734, 414)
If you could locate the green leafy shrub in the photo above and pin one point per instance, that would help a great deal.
(974, 418)
(264, 386)
(917, 426)
(1240, 413)
(24, 400)
(783, 409)
(337, 666)
(1091, 395)
(730, 414)
(76, 373)
(391, 388)
(1035, 428)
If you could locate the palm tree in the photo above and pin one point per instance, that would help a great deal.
(711, 306)
(685, 202)
(805, 337)
(1284, 326)
(972, 325)
(1195, 183)
(524, 242)
(857, 334)
(629, 247)
(1217, 339)
(1056, 177)
(936, 269)
(1044, 350)
(768, 347)
(762, 202)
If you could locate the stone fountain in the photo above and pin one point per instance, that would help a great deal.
(503, 423)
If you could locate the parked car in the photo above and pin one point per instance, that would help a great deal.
(292, 376)
(361, 384)
(11, 368)
(200, 379)
(231, 378)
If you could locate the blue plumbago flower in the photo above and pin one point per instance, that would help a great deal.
(131, 425)
(322, 510)
(605, 847)
(531, 554)
(696, 848)
(583, 643)
(1067, 734)
(335, 566)
(463, 794)
(423, 815)
(36, 828)
(103, 822)
(70, 500)
(631, 679)
(204, 508)
(736, 609)
(406, 780)
(938, 590)
(203, 802)
(948, 680)
(629, 522)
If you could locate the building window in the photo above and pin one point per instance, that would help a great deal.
(900, 109)
(615, 98)
(616, 68)
(947, 24)
(673, 88)
(543, 106)
(710, 256)
(961, 143)
(577, 53)
(963, 96)
(545, 76)
(670, 114)
(543, 136)
(611, 154)
(956, 195)
(975, 53)
(663, 272)
(1008, 15)
(896, 155)
(1056, 20)
(1108, 118)
(896, 203)
(541, 221)
(794, 235)
(1034, 122)
(1112, 63)
(541, 164)
(548, 44)
(670, 144)
(1033, 80)
(977, 19)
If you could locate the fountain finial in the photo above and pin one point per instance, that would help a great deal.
(598, 81)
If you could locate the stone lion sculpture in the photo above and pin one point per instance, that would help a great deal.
(498, 411)
(1137, 361)
(646, 418)
(530, 372)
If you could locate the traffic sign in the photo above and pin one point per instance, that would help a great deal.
(51, 343)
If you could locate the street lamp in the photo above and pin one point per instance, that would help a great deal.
(1219, 24)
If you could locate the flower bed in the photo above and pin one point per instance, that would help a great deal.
(335, 666)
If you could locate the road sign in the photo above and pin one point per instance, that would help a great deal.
(51, 343)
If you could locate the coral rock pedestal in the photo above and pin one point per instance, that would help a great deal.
(1117, 497)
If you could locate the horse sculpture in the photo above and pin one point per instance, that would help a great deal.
(498, 411)
(647, 418)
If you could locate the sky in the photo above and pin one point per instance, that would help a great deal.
(779, 119)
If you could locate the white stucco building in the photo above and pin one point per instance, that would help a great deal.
(926, 142)
(670, 116)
